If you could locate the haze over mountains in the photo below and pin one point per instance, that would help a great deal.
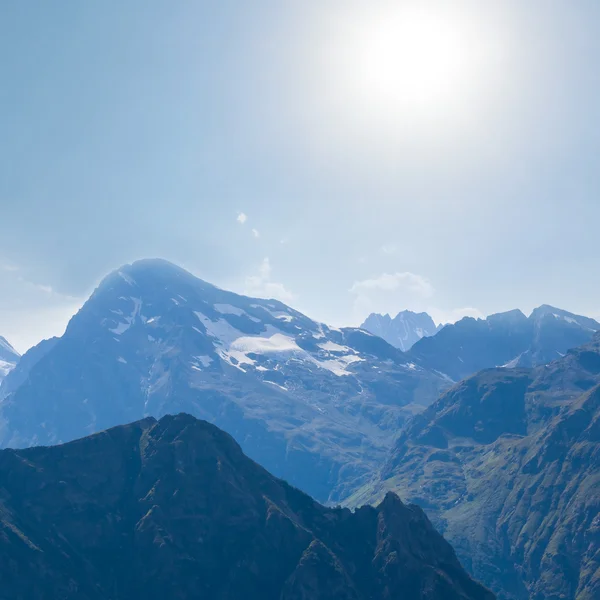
(317, 406)
(505, 462)
(507, 339)
(507, 465)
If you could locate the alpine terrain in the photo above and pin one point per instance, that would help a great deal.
(507, 339)
(173, 509)
(507, 466)
(404, 330)
(9, 358)
(317, 406)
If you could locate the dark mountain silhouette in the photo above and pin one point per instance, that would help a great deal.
(173, 509)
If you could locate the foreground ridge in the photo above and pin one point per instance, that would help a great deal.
(173, 508)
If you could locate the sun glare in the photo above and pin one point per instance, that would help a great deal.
(412, 61)
(408, 63)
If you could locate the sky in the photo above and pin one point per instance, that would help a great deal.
(342, 156)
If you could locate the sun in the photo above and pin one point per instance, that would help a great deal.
(404, 62)
(410, 60)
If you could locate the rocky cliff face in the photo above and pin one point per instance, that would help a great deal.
(404, 330)
(507, 465)
(173, 509)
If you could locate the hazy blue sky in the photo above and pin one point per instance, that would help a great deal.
(281, 148)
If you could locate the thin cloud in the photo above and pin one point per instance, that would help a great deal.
(262, 286)
(393, 292)
(389, 282)
(8, 267)
(255, 233)
(389, 249)
(242, 218)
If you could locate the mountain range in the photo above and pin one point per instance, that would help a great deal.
(317, 406)
(173, 509)
(507, 466)
(404, 330)
(508, 339)
(9, 358)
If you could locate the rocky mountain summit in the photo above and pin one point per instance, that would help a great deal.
(507, 466)
(403, 331)
(173, 509)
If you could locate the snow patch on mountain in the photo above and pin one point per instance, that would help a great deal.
(5, 368)
(330, 346)
(228, 309)
(124, 325)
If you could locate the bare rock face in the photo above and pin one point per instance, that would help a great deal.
(404, 330)
(174, 509)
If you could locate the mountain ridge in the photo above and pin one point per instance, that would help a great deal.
(508, 339)
(128, 511)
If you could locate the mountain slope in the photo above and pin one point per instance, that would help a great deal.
(403, 331)
(506, 339)
(173, 509)
(507, 465)
(315, 405)
(20, 372)
(9, 358)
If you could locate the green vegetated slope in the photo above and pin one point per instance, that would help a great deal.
(507, 466)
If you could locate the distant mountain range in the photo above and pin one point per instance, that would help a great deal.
(507, 339)
(173, 509)
(404, 330)
(507, 466)
(317, 406)
(9, 358)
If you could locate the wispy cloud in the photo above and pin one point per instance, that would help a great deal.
(390, 293)
(8, 267)
(394, 292)
(242, 218)
(255, 233)
(390, 282)
(261, 284)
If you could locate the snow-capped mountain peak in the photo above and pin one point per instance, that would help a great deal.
(153, 339)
